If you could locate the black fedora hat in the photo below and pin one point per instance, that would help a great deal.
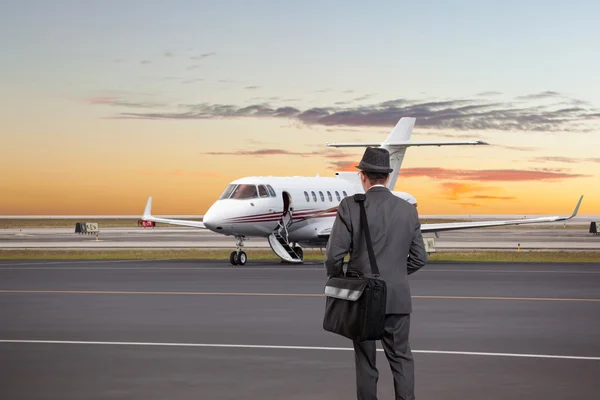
(375, 159)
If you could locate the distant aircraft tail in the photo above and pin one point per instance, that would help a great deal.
(148, 209)
(398, 141)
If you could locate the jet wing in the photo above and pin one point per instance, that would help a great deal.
(148, 217)
(428, 228)
(425, 228)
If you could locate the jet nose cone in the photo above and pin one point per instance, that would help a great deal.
(212, 219)
(209, 220)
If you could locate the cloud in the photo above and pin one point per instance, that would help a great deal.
(567, 160)
(456, 190)
(188, 81)
(464, 190)
(362, 98)
(278, 152)
(553, 169)
(117, 102)
(193, 67)
(100, 100)
(552, 95)
(486, 197)
(203, 56)
(500, 175)
(490, 93)
(506, 175)
(145, 62)
(252, 87)
(168, 54)
(458, 114)
(542, 95)
(516, 148)
(454, 135)
(180, 174)
(470, 205)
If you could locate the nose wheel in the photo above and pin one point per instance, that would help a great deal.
(238, 257)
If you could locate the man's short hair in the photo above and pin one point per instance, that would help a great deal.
(376, 178)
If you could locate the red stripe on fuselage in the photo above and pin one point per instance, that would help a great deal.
(279, 214)
(278, 218)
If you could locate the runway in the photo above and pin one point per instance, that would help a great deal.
(477, 239)
(182, 330)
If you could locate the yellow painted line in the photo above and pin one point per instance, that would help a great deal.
(291, 295)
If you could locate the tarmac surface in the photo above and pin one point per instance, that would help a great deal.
(208, 330)
(496, 239)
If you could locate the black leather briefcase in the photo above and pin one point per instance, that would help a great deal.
(355, 305)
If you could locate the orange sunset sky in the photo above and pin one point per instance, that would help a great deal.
(104, 104)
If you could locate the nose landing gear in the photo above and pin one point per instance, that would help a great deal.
(238, 257)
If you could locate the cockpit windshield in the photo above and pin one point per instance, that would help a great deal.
(228, 190)
(246, 191)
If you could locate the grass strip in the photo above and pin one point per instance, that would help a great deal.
(309, 255)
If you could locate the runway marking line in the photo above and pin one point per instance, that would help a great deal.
(17, 267)
(241, 294)
(253, 346)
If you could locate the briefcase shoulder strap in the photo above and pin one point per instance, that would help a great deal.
(360, 199)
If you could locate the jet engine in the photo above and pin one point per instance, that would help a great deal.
(406, 196)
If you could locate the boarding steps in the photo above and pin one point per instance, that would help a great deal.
(278, 240)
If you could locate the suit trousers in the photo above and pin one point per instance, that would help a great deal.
(397, 350)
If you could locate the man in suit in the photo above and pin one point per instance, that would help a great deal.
(399, 251)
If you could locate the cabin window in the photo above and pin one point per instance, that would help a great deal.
(314, 196)
(262, 191)
(271, 191)
(322, 197)
(307, 198)
(329, 196)
(245, 192)
(337, 195)
(345, 195)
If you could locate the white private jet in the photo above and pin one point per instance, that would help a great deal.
(299, 211)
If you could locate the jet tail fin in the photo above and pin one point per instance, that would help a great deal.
(400, 133)
(398, 141)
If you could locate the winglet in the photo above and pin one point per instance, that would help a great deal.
(148, 209)
(577, 208)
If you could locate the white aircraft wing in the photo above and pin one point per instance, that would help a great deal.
(148, 217)
(428, 228)
(409, 143)
(425, 228)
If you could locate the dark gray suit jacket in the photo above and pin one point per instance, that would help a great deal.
(397, 243)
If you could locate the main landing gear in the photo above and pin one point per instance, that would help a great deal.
(238, 257)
